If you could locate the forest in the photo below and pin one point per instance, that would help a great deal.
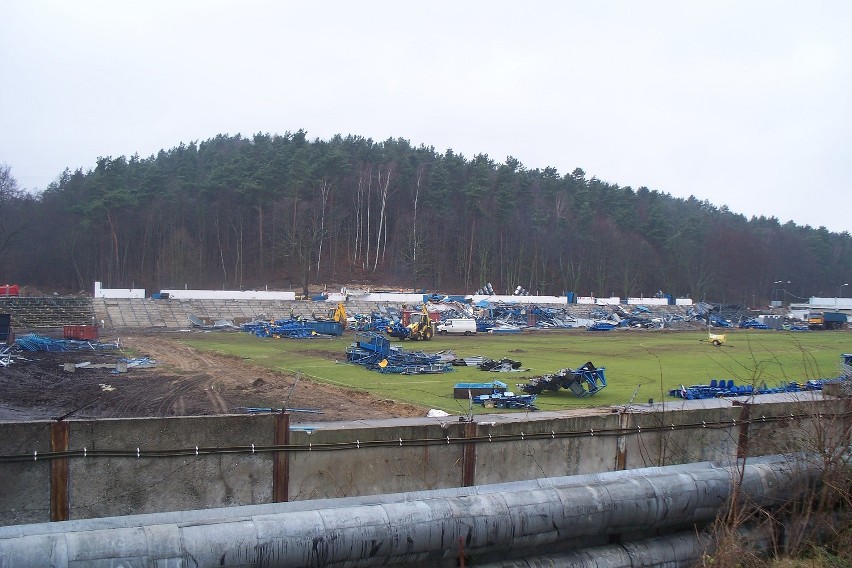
(287, 212)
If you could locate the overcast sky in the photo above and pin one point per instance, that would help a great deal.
(742, 103)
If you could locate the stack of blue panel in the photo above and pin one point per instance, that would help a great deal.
(293, 329)
(35, 342)
(727, 388)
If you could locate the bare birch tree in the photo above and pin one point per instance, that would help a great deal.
(384, 193)
(325, 189)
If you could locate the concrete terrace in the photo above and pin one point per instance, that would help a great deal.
(169, 314)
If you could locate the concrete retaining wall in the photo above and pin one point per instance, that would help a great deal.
(681, 436)
(119, 467)
(106, 486)
(24, 492)
(98, 485)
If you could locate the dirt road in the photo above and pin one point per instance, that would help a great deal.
(185, 382)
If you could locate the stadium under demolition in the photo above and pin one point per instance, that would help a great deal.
(626, 516)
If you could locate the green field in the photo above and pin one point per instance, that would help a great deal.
(658, 361)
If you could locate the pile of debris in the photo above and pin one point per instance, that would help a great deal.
(495, 316)
(508, 400)
(583, 382)
(494, 395)
(498, 317)
(122, 365)
(293, 328)
(503, 365)
(374, 351)
(220, 324)
(10, 353)
(500, 366)
(375, 320)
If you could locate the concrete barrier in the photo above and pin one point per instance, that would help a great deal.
(86, 469)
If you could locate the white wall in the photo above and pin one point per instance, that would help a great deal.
(614, 301)
(648, 301)
(831, 303)
(507, 299)
(228, 295)
(394, 297)
(118, 292)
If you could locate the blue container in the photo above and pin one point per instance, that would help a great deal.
(325, 327)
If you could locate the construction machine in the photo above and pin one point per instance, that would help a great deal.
(420, 328)
(338, 314)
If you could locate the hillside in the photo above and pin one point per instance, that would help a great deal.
(286, 212)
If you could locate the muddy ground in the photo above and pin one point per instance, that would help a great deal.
(184, 382)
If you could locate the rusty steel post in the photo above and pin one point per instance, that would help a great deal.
(59, 502)
(281, 460)
(621, 442)
(469, 455)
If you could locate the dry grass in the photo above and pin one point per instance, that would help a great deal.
(813, 529)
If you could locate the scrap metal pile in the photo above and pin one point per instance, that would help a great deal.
(375, 352)
(583, 382)
(35, 342)
(501, 317)
(721, 315)
(499, 366)
(495, 317)
(504, 365)
(293, 328)
(494, 395)
(375, 321)
(506, 399)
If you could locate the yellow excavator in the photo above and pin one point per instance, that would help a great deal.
(338, 314)
(421, 327)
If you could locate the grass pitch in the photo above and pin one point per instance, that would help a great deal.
(652, 361)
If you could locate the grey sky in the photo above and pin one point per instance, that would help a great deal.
(742, 103)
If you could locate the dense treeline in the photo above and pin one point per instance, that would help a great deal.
(285, 212)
